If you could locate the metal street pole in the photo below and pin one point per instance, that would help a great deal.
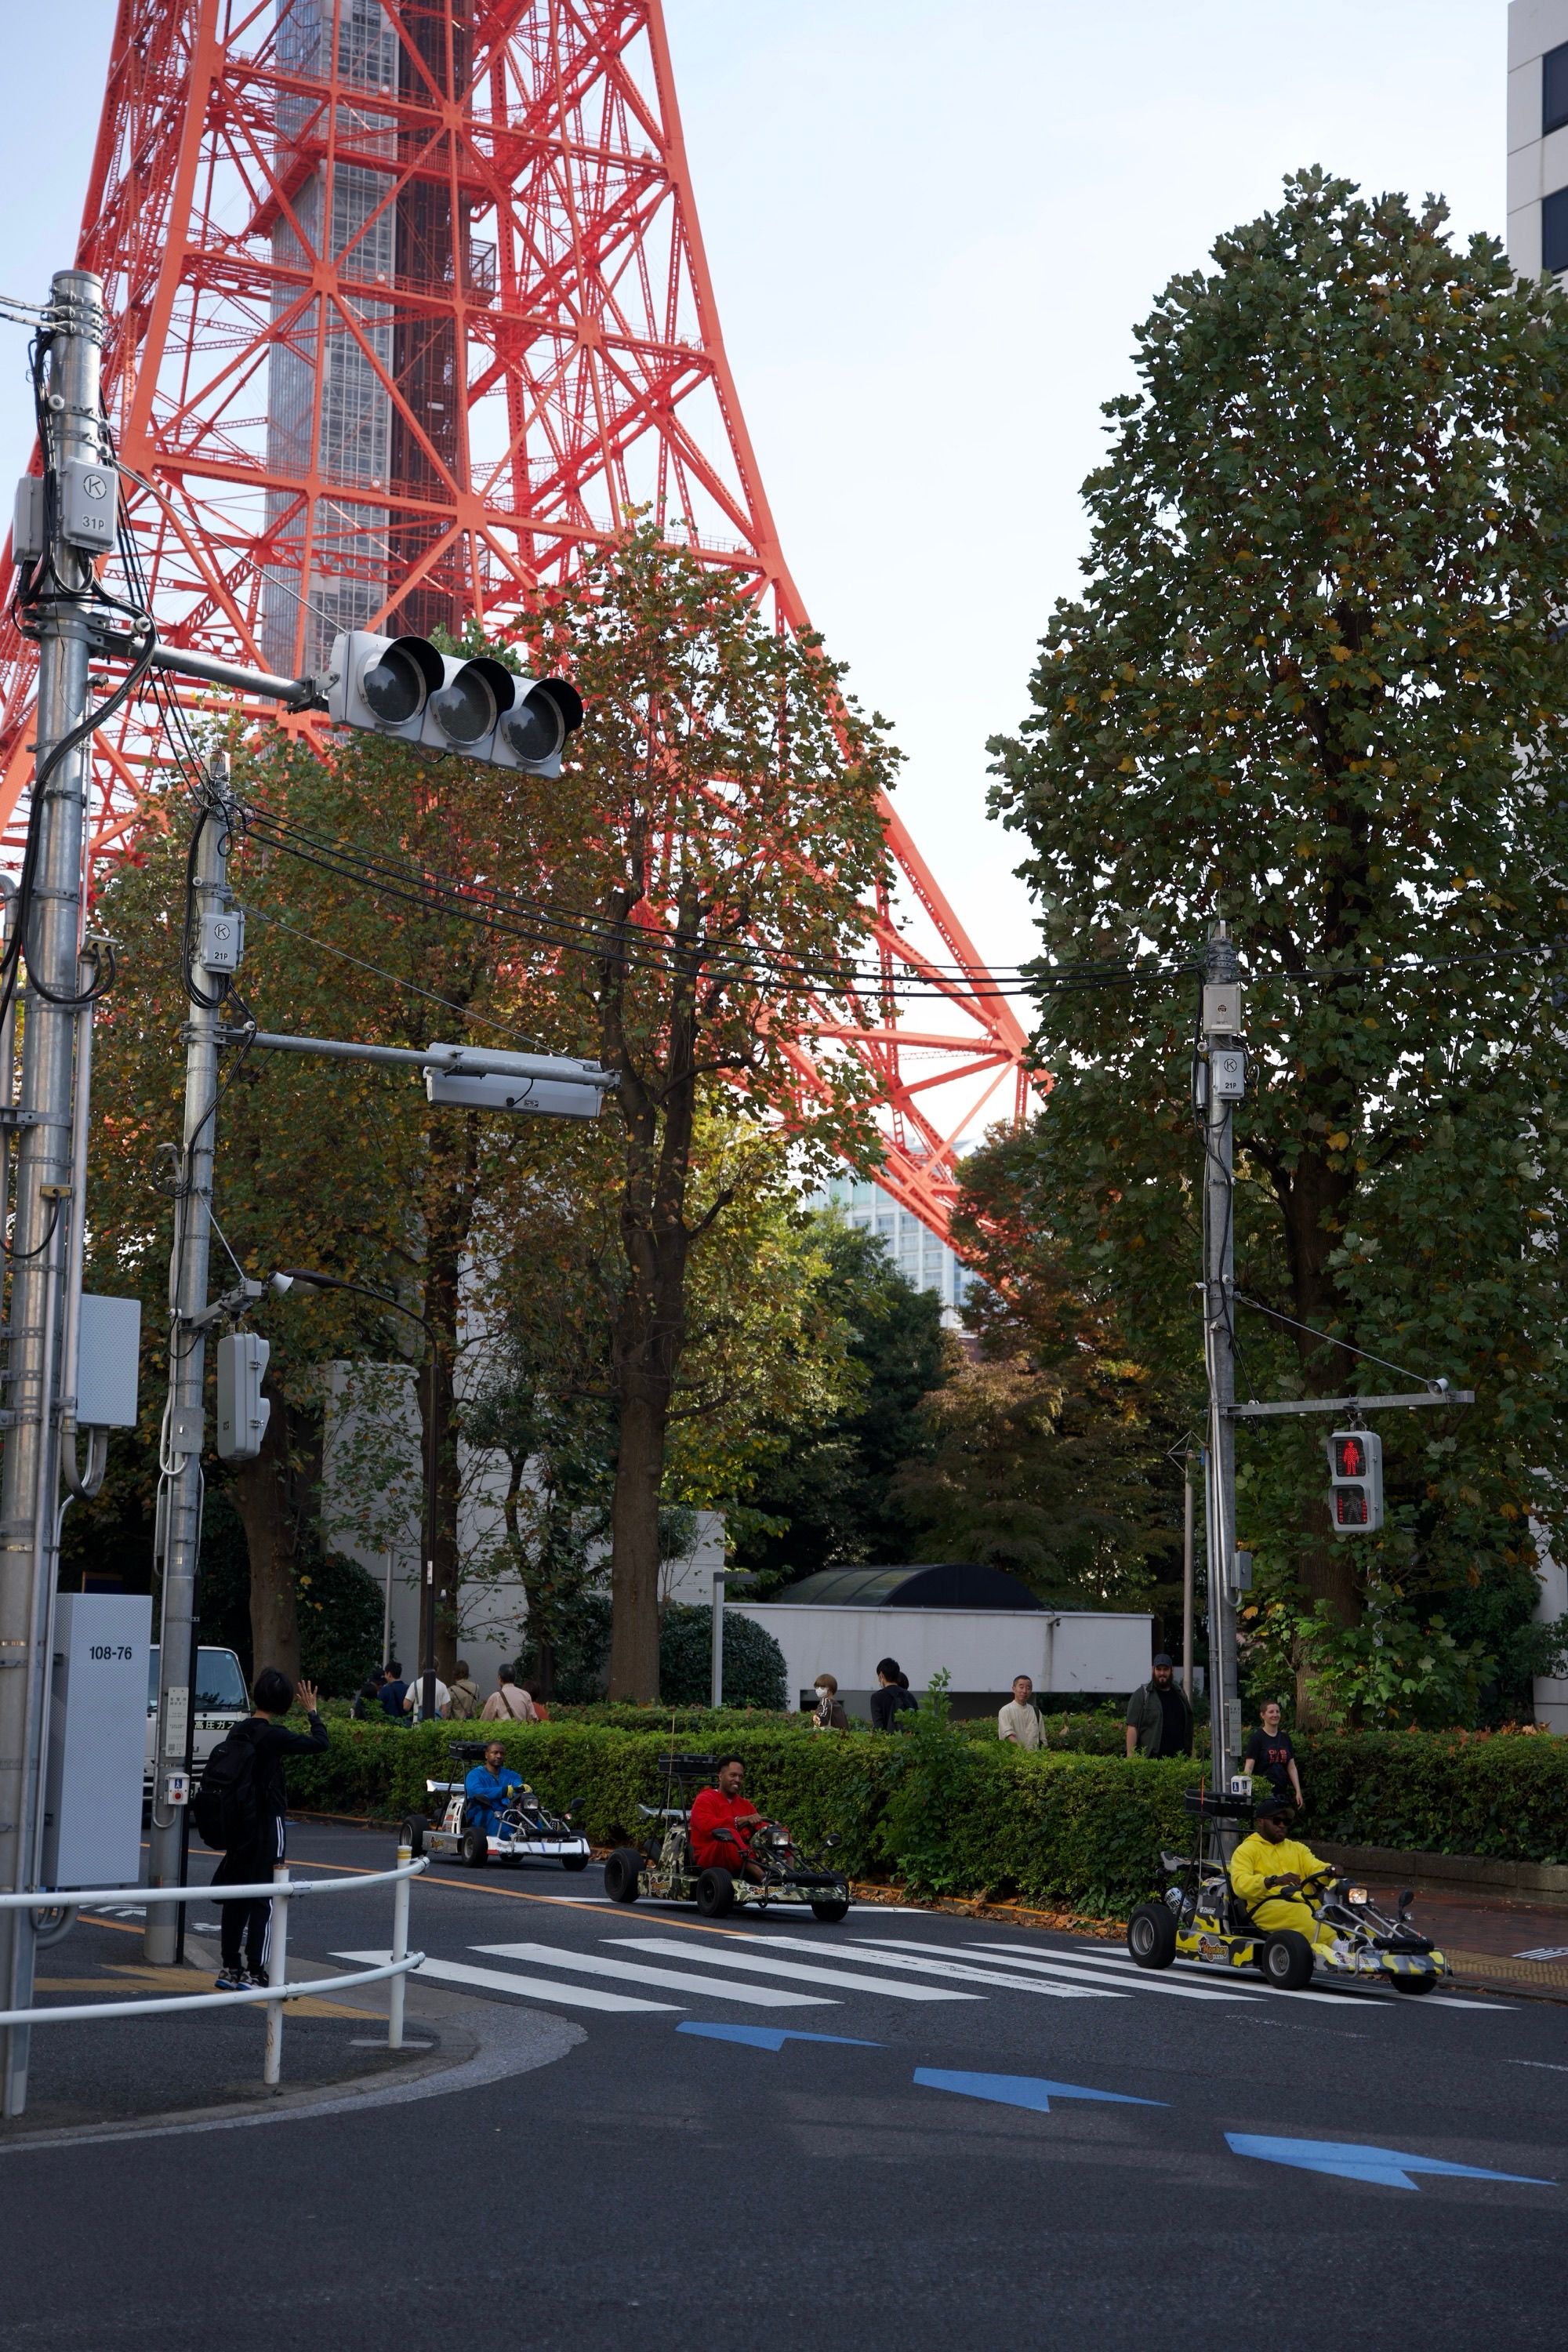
(1187, 1576)
(1222, 1067)
(51, 915)
(181, 1488)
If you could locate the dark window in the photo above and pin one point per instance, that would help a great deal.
(1554, 231)
(1554, 89)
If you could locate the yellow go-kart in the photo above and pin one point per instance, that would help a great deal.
(1203, 1918)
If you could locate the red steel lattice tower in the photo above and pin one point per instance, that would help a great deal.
(410, 304)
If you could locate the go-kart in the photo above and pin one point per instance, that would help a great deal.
(523, 1831)
(1203, 1918)
(663, 1867)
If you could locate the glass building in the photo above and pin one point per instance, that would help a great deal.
(924, 1261)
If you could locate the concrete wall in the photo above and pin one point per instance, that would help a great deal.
(1537, 166)
(979, 1649)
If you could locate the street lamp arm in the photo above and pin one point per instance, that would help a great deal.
(361, 1290)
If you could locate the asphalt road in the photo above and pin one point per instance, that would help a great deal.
(909, 2129)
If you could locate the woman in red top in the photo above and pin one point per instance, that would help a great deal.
(724, 1808)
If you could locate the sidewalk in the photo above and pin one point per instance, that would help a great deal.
(149, 2068)
(1486, 1937)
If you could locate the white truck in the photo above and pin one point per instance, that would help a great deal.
(221, 1701)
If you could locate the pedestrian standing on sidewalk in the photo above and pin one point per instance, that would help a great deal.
(1159, 1719)
(257, 1808)
(508, 1702)
(1020, 1720)
(465, 1694)
(1270, 1756)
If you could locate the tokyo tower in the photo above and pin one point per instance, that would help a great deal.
(409, 304)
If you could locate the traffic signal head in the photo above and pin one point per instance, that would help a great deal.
(403, 688)
(1355, 1482)
(242, 1412)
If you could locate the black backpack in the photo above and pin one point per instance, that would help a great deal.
(226, 1808)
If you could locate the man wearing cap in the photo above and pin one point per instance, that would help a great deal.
(1159, 1719)
(1268, 1870)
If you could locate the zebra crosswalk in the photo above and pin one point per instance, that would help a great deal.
(662, 1974)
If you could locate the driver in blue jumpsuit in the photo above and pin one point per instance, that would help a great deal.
(489, 1788)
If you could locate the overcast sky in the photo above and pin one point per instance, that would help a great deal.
(932, 224)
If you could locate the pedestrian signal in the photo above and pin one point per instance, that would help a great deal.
(403, 688)
(1355, 1482)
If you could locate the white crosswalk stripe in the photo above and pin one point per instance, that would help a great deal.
(566, 1996)
(666, 1980)
(1127, 1977)
(884, 1953)
(726, 1953)
(1121, 1967)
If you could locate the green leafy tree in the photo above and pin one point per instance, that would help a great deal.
(826, 1493)
(1316, 682)
(715, 841)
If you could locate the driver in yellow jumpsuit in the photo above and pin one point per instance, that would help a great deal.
(1267, 1871)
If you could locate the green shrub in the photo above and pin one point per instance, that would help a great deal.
(1502, 1794)
(944, 1813)
(753, 1662)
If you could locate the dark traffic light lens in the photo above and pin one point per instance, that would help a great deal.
(1349, 1506)
(465, 709)
(394, 687)
(538, 729)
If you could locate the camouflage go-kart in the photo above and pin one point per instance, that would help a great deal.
(664, 1868)
(1203, 1918)
(523, 1831)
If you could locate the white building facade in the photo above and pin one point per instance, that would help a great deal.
(923, 1259)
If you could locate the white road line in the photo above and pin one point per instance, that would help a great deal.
(1121, 1967)
(667, 1979)
(459, 1972)
(901, 1957)
(726, 1956)
(1122, 1974)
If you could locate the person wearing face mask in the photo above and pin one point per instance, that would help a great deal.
(830, 1715)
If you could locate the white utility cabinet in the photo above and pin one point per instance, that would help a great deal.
(97, 1729)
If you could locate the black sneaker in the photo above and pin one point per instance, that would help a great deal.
(232, 1980)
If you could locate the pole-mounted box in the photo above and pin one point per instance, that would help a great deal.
(90, 504)
(242, 1412)
(27, 536)
(223, 939)
(1228, 1065)
(1222, 1008)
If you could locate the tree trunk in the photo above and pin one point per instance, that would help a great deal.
(634, 1525)
(269, 1498)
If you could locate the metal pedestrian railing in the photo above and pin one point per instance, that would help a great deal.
(280, 1890)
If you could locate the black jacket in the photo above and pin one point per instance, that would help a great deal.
(888, 1701)
(272, 1744)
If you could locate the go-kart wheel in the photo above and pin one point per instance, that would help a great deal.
(574, 1860)
(1152, 1936)
(1413, 1984)
(715, 1894)
(1287, 1960)
(411, 1831)
(831, 1912)
(622, 1873)
(476, 1848)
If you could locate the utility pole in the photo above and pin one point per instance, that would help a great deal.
(180, 1483)
(51, 914)
(1187, 1576)
(1221, 1074)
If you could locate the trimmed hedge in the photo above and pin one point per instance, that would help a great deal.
(1501, 1794)
(937, 1811)
(946, 1813)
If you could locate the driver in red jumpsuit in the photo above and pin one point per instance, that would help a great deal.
(723, 1808)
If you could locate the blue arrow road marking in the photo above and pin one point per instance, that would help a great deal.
(770, 2037)
(1387, 2166)
(1020, 2090)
